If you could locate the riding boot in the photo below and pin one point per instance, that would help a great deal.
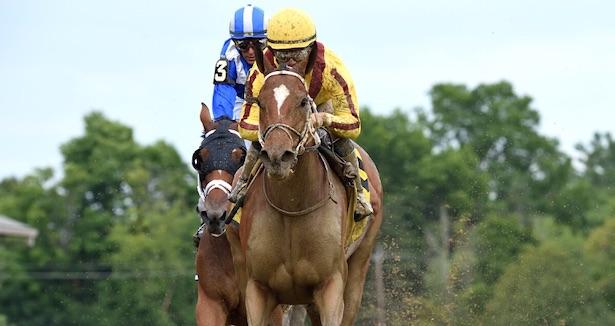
(240, 189)
(363, 208)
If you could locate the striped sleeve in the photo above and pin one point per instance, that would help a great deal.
(340, 88)
(248, 124)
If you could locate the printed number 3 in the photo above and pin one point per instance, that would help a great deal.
(220, 73)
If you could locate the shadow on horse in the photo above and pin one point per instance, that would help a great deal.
(220, 297)
(296, 216)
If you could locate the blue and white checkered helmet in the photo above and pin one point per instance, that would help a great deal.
(248, 22)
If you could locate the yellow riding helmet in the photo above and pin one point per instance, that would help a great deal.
(290, 29)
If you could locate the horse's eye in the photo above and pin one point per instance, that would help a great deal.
(204, 154)
(238, 155)
(198, 157)
(305, 101)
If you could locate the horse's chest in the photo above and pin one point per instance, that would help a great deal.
(294, 250)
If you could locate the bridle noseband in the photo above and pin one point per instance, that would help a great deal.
(307, 131)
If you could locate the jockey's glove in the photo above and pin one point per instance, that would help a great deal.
(321, 119)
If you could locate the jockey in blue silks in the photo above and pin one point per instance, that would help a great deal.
(248, 30)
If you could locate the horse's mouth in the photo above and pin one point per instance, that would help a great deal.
(216, 229)
(216, 226)
(279, 169)
(279, 172)
(280, 166)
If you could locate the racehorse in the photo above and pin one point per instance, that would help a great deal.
(220, 297)
(295, 218)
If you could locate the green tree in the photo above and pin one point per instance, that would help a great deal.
(599, 160)
(493, 244)
(548, 285)
(25, 279)
(600, 249)
(152, 281)
(119, 209)
(418, 184)
(497, 242)
(526, 169)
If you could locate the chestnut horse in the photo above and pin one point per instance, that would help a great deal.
(295, 218)
(220, 297)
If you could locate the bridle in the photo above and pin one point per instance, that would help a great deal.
(220, 142)
(308, 130)
(304, 135)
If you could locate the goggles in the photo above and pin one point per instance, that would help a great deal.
(296, 54)
(246, 43)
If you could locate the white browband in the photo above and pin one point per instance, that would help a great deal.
(286, 72)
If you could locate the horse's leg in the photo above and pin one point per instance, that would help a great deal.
(329, 300)
(209, 311)
(239, 261)
(260, 303)
(296, 315)
(313, 314)
(358, 264)
(277, 316)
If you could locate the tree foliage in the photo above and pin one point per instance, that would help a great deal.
(548, 285)
(486, 222)
(526, 168)
(120, 210)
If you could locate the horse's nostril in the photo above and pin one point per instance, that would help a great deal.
(287, 156)
(264, 156)
(277, 157)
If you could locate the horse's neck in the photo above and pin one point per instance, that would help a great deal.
(303, 185)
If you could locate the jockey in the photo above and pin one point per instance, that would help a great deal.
(248, 31)
(327, 80)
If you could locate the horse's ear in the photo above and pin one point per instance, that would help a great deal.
(208, 123)
(268, 64)
(259, 58)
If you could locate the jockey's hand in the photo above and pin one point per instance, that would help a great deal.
(326, 107)
(320, 119)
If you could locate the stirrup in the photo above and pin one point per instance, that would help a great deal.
(362, 209)
(350, 171)
(239, 191)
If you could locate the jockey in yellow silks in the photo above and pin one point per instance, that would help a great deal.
(326, 78)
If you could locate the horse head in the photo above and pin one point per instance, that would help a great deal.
(221, 154)
(284, 120)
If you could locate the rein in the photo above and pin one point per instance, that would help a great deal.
(307, 131)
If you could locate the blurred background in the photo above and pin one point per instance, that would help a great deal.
(489, 123)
